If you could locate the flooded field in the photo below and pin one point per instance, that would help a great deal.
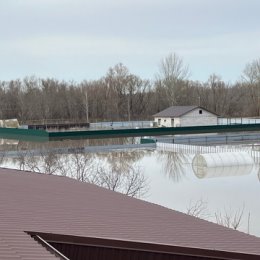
(217, 185)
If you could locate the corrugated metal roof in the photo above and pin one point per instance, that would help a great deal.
(50, 204)
(177, 111)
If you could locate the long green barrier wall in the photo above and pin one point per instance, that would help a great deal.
(42, 136)
(152, 131)
(24, 134)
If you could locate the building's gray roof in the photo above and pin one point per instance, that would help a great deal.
(31, 202)
(177, 111)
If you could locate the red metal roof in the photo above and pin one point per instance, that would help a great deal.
(40, 203)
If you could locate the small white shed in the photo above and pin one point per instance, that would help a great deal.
(185, 116)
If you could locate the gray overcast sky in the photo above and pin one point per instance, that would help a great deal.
(81, 39)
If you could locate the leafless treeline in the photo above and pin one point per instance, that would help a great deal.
(121, 95)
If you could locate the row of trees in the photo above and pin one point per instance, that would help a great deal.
(121, 95)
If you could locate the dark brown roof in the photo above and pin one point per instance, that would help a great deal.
(177, 111)
(39, 203)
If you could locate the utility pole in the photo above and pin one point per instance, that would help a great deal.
(128, 108)
(86, 97)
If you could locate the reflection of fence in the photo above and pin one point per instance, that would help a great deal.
(73, 150)
(216, 139)
(194, 149)
(200, 149)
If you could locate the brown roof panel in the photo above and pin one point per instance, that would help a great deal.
(60, 205)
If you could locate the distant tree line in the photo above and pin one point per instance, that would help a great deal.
(121, 95)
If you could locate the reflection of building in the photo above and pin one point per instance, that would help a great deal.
(185, 116)
(53, 217)
(222, 164)
(8, 144)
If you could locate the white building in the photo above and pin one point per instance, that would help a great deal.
(185, 116)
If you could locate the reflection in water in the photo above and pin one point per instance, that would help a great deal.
(173, 164)
(258, 172)
(119, 171)
(222, 164)
(7, 144)
(15, 145)
(120, 174)
(122, 160)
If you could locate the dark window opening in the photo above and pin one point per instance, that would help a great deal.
(200, 111)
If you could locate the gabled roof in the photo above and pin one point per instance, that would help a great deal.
(39, 203)
(178, 111)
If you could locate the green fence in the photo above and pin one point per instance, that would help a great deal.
(41, 135)
(153, 131)
(24, 134)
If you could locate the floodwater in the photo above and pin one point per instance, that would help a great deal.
(223, 192)
(228, 191)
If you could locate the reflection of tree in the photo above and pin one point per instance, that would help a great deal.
(21, 160)
(257, 165)
(85, 167)
(130, 181)
(2, 157)
(173, 164)
(78, 166)
(47, 162)
(75, 143)
(122, 159)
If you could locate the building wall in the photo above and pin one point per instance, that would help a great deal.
(167, 122)
(194, 118)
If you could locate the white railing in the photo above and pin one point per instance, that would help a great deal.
(121, 124)
(238, 120)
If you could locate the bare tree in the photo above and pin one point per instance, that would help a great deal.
(218, 94)
(172, 68)
(251, 80)
(172, 72)
(251, 72)
(198, 209)
(229, 218)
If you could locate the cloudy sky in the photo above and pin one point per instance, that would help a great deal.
(81, 39)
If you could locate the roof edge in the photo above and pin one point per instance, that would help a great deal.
(195, 107)
(49, 247)
(201, 108)
(143, 246)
